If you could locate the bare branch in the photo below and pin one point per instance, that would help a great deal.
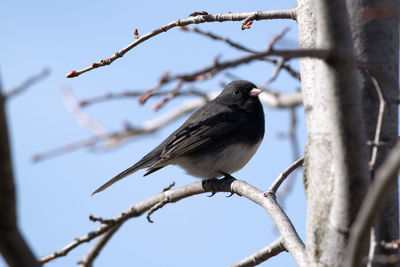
(94, 251)
(275, 74)
(172, 94)
(290, 237)
(382, 105)
(13, 246)
(159, 205)
(114, 139)
(281, 100)
(135, 94)
(262, 255)
(259, 15)
(156, 207)
(226, 40)
(81, 117)
(147, 127)
(282, 177)
(27, 83)
(276, 38)
(373, 204)
(295, 153)
(219, 38)
(287, 54)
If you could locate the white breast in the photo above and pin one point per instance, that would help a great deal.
(229, 160)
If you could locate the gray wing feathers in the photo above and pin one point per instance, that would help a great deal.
(187, 138)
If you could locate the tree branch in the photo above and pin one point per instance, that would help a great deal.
(87, 260)
(262, 255)
(27, 83)
(282, 177)
(94, 251)
(290, 237)
(338, 76)
(113, 139)
(292, 135)
(13, 247)
(381, 112)
(372, 206)
(135, 94)
(295, 74)
(81, 117)
(259, 15)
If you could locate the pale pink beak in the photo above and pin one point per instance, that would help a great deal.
(255, 92)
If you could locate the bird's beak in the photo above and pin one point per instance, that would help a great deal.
(255, 92)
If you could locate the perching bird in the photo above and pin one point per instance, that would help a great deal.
(218, 139)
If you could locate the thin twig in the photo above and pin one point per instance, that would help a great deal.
(261, 15)
(262, 255)
(87, 260)
(120, 137)
(219, 38)
(80, 116)
(94, 251)
(295, 74)
(99, 219)
(274, 187)
(275, 74)
(372, 206)
(295, 155)
(27, 83)
(217, 67)
(276, 38)
(135, 94)
(286, 53)
(114, 139)
(156, 207)
(382, 105)
(168, 187)
(291, 240)
(159, 205)
(172, 94)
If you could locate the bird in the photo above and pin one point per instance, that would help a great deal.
(216, 140)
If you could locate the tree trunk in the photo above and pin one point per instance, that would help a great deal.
(376, 38)
(336, 159)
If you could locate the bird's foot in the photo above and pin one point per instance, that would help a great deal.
(212, 194)
(231, 194)
(207, 183)
(227, 176)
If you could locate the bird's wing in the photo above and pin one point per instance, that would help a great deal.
(199, 134)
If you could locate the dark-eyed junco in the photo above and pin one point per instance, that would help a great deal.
(218, 139)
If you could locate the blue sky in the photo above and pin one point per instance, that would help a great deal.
(54, 195)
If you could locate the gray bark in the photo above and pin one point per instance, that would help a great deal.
(336, 170)
(317, 156)
(376, 39)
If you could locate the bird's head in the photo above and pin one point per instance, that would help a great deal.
(240, 93)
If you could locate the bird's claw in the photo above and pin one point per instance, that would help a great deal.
(212, 194)
(230, 194)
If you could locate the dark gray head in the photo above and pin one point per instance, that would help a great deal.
(239, 92)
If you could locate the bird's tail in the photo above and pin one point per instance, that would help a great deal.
(118, 177)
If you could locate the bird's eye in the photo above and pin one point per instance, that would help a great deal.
(236, 92)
